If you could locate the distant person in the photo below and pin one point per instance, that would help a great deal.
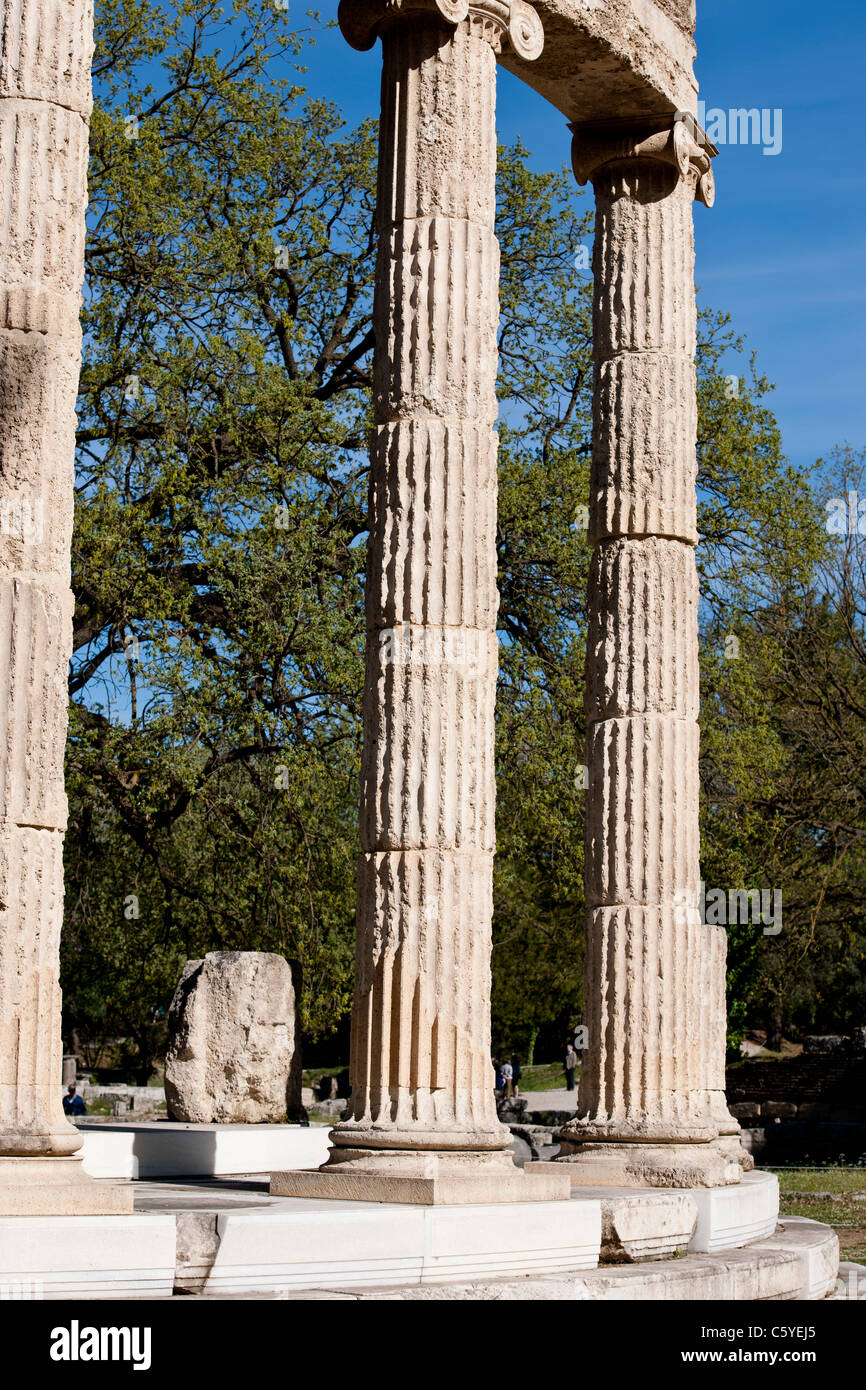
(497, 1075)
(507, 1079)
(515, 1075)
(72, 1102)
(569, 1063)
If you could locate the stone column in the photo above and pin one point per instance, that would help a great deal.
(45, 51)
(421, 1124)
(641, 1116)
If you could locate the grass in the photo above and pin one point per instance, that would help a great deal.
(815, 1180)
(826, 1194)
(548, 1076)
(100, 1106)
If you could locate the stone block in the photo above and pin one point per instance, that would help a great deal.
(778, 1110)
(817, 1247)
(746, 1111)
(163, 1149)
(43, 169)
(792, 1264)
(311, 1245)
(43, 1187)
(115, 1257)
(432, 547)
(436, 319)
(813, 1110)
(730, 1217)
(637, 1224)
(427, 770)
(643, 630)
(35, 643)
(38, 385)
(537, 1182)
(642, 812)
(45, 51)
(231, 1039)
(823, 1044)
(851, 1282)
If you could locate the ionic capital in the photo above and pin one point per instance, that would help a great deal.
(679, 142)
(501, 22)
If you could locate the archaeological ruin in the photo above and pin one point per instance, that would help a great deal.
(652, 1164)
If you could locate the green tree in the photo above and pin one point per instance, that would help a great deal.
(219, 547)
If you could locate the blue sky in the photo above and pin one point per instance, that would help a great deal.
(783, 248)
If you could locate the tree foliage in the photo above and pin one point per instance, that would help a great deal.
(219, 549)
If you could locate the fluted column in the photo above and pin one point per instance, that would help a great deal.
(421, 1123)
(642, 1115)
(45, 52)
(44, 105)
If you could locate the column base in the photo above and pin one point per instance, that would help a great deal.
(731, 1146)
(58, 1187)
(645, 1165)
(729, 1141)
(424, 1179)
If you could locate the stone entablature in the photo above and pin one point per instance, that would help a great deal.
(682, 12)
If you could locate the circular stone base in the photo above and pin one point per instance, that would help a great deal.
(800, 1261)
(420, 1163)
(647, 1165)
(732, 1148)
(230, 1239)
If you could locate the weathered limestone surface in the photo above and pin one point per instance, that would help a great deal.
(645, 1113)
(613, 59)
(637, 1225)
(31, 894)
(420, 1064)
(427, 777)
(45, 51)
(421, 1123)
(801, 1263)
(44, 107)
(231, 1040)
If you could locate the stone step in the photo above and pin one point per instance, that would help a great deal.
(799, 1263)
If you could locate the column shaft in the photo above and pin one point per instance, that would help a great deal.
(44, 108)
(420, 1053)
(641, 1115)
(421, 1124)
